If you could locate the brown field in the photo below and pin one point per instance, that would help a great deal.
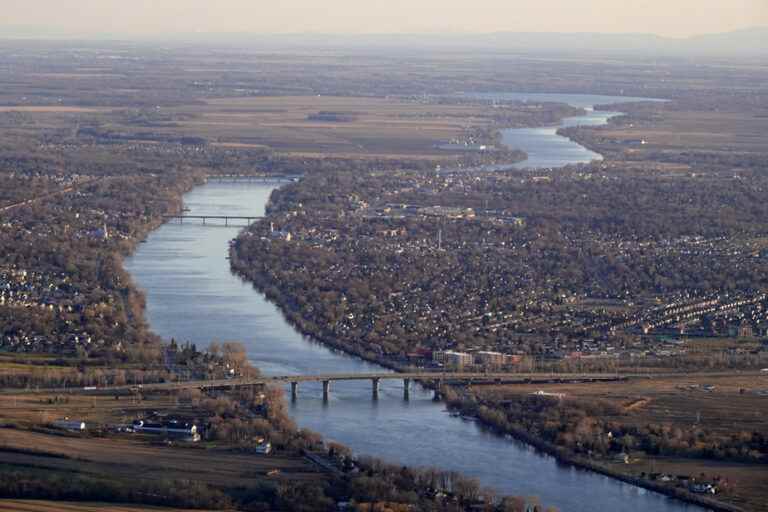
(123, 456)
(63, 506)
(129, 458)
(694, 130)
(55, 109)
(749, 482)
(31, 409)
(725, 409)
(381, 126)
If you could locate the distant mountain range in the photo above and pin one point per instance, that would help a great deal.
(750, 42)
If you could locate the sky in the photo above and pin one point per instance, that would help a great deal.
(674, 18)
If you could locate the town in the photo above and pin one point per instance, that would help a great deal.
(472, 262)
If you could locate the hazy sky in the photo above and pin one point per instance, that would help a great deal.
(665, 17)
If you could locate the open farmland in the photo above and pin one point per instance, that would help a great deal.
(676, 400)
(376, 125)
(60, 506)
(331, 126)
(128, 458)
(714, 406)
(735, 131)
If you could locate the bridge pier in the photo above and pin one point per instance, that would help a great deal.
(375, 387)
(326, 390)
(406, 389)
(438, 387)
(294, 391)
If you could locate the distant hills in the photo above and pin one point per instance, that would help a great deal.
(750, 42)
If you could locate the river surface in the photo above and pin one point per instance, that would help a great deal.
(193, 296)
(544, 147)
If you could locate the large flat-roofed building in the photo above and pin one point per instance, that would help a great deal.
(486, 358)
(453, 359)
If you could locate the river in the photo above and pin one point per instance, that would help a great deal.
(544, 147)
(192, 295)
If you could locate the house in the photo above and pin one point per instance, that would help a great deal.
(745, 330)
(703, 488)
(622, 458)
(541, 392)
(263, 448)
(70, 425)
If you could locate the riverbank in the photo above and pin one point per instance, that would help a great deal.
(527, 414)
(538, 443)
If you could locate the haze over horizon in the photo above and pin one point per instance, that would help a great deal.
(147, 18)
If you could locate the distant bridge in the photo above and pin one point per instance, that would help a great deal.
(248, 219)
(255, 178)
(437, 378)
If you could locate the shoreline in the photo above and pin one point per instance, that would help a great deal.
(539, 444)
(565, 457)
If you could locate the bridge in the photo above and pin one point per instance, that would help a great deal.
(255, 178)
(437, 379)
(248, 219)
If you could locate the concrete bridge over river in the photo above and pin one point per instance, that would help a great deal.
(436, 379)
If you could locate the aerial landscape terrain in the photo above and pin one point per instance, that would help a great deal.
(475, 272)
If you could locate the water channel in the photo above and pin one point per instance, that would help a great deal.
(192, 295)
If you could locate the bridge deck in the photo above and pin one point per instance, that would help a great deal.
(222, 217)
(506, 378)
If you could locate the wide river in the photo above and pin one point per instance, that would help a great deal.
(192, 295)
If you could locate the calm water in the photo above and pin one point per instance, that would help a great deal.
(191, 295)
(544, 147)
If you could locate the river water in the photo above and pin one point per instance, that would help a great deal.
(544, 147)
(192, 295)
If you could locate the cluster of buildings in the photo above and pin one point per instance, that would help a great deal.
(26, 293)
(479, 276)
(23, 288)
(483, 358)
(176, 429)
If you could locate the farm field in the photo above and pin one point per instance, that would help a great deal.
(676, 400)
(749, 482)
(61, 506)
(735, 131)
(127, 458)
(326, 125)
(722, 404)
